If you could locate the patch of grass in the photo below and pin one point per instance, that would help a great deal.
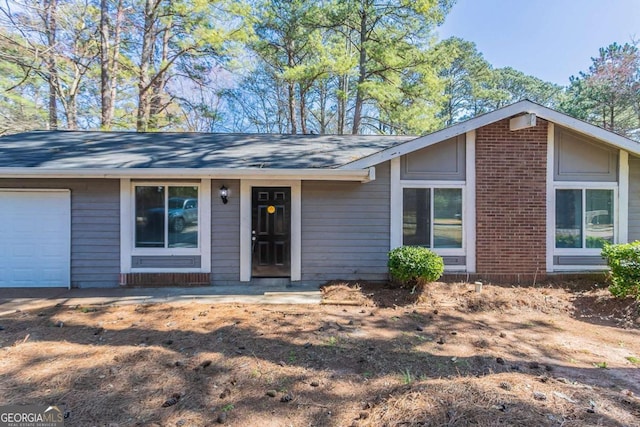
(292, 357)
(332, 341)
(633, 359)
(601, 365)
(228, 407)
(407, 378)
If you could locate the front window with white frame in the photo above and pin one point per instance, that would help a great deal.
(166, 216)
(432, 217)
(585, 218)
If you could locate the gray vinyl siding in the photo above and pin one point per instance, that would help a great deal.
(345, 229)
(225, 233)
(95, 227)
(634, 198)
(444, 161)
(580, 158)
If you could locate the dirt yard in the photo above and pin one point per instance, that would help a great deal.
(444, 356)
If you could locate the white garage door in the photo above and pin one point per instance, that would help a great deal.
(35, 238)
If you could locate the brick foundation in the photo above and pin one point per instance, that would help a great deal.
(511, 173)
(141, 280)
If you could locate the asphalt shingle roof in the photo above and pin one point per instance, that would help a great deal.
(109, 150)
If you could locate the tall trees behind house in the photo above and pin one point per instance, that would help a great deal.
(608, 94)
(472, 86)
(97, 51)
(281, 66)
(347, 66)
(53, 41)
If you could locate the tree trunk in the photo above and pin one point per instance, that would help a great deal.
(157, 104)
(291, 100)
(144, 79)
(362, 72)
(113, 61)
(343, 103)
(612, 117)
(343, 91)
(105, 69)
(72, 112)
(323, 108)
(303, 110)
(50, 7)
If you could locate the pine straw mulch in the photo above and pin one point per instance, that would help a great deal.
(588, 302)
(443, 355)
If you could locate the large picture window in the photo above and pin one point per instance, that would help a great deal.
(166, 216)
(432, 217)
(584, 218)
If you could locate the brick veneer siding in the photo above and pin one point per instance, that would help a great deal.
(511, 170)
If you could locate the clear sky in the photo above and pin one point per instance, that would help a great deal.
(548, 39)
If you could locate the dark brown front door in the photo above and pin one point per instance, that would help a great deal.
(271, 232)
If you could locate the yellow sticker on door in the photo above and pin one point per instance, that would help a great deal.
(271, 209)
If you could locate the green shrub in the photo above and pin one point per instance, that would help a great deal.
(412, 265)
(624, 261)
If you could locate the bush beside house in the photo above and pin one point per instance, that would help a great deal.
(414, 265)
(624, 262)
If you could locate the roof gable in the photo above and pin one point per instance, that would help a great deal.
(492, 117)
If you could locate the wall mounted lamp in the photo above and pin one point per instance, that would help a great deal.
(224, 194)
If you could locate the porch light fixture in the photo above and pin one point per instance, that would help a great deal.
(224, 194)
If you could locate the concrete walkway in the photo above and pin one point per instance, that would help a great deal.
(12, 299)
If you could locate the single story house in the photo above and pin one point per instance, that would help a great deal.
(517, 193)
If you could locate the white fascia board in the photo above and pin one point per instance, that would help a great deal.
(492, 117)
(586, 128)
(361, 175)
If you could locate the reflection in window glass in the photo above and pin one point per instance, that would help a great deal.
(441, 228)
(416, 223)
(150, 214)
(568, 218)
(162, 221)
(588, 226)
(447, 218)
(183, 217)
(598, 218)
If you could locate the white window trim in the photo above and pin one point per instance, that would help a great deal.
(583, 186)
(551, 198)
(438, 185)
(469, 201)
(245, 225)
(127, 228)
(468, 187)
(395, 201)
(623, 197)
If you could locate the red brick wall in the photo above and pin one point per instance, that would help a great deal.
(511, 170)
